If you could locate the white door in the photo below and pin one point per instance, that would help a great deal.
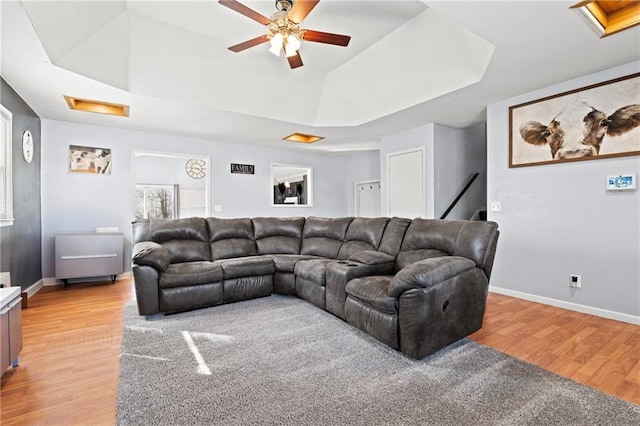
(405, 173)
(367, 202)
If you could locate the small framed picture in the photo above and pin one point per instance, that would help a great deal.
(84, 159)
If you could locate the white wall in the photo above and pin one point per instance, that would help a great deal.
(558, 220)
(459, 153)
(79, 203)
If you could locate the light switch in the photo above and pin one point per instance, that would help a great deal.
(496, 206)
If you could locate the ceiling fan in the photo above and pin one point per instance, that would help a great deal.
(284, 29)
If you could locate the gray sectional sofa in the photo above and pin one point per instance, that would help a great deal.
(416, 285)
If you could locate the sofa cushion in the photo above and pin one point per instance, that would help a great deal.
(393, 235)
(190, 273)
(246, 267)
(278, 235)
(362, 234)
(324, 236)
(374, 292)
(140, 231)
(314, 270)
(231, 238)
(187, 240)
(287, 262)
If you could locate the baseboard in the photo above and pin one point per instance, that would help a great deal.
(34, 288)
(54, 281)
(599, 312)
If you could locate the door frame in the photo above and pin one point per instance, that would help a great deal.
(135, 152)
(388, 175)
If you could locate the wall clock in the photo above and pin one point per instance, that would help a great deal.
(196, 168)
(27, 146)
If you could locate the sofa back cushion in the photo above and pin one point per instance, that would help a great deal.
(278, 235)
(231, 238)
(393, 235)
(187, 240)
(140, 231)
(362, 234)
(324, 236)
(427, 238)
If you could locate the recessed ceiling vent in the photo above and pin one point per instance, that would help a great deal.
(609, 17)
(97, 106)
(302, 138)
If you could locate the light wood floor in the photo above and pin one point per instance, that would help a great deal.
(68, 370)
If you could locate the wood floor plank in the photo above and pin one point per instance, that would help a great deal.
(69, 366)
(598, 352)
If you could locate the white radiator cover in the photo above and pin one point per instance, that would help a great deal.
(5, 279)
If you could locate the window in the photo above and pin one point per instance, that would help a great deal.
(156, 201)
(6, 199)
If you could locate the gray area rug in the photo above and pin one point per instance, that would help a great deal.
(280, 360)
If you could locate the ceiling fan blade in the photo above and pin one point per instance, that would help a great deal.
(249, 43)
(295, 61)
(328, 38)
(301, 9)
(246, 11)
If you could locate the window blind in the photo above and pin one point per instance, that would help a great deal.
(6, 201)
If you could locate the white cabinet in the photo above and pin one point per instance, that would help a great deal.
(89, 255)
(10, 327)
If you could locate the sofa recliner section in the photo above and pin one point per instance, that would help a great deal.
(415, 285)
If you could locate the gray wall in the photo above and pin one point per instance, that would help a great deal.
(558, 220)
(20, 243)
(77, 202)
(451, 157)
(459, 153)
(412, 139)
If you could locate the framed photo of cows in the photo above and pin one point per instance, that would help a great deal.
(593, 122)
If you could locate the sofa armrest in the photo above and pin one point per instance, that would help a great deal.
(428, 272)
(370, 257)
(145, 279)
(149, 253)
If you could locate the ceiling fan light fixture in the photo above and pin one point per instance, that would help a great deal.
(292, 45)
(284, 5)
(276, 44)
(283, 29)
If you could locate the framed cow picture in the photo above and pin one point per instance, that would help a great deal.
(593, 122)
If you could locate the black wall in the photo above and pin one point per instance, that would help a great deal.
(20, 244)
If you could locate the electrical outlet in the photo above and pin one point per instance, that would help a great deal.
(496, 206)
(576, 281)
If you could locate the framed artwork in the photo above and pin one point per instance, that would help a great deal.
(84, 159)
(593, 122)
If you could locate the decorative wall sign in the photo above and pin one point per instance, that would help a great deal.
(597, 121)
(84, 159)
(243, 169)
